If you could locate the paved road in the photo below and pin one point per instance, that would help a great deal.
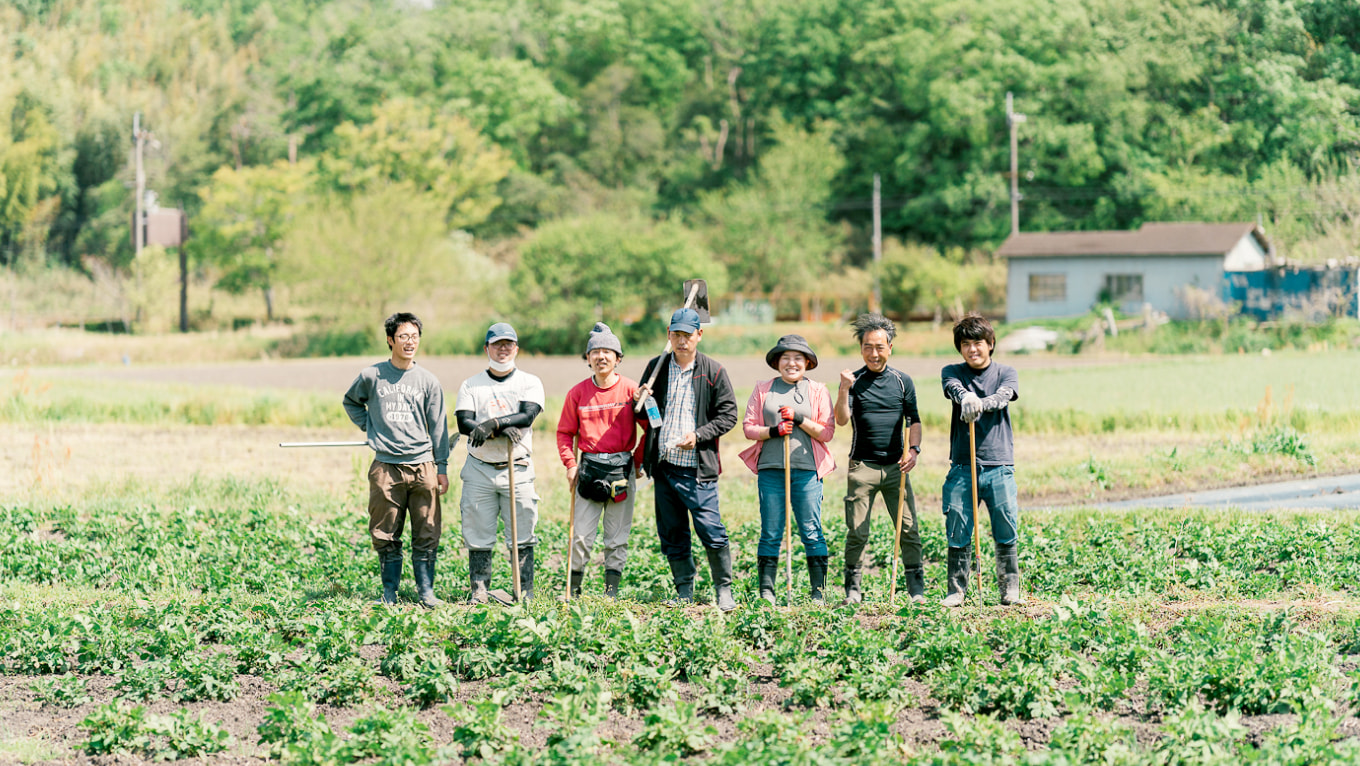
(1329, 493)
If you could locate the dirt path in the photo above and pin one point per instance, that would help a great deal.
(1323, 493)
(559, 373)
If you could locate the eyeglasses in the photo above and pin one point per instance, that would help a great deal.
(404, 337)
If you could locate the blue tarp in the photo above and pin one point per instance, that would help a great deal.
(1313, 293)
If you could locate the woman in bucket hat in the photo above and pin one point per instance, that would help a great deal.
(796, 407)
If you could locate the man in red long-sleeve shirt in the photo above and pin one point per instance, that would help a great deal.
(598, 417)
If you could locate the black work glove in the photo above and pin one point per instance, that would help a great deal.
(484, 430)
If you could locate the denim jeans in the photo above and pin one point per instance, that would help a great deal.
(806, 491)
(679, 497)
(996, 488)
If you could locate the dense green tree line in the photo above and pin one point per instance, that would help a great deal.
(745, 132)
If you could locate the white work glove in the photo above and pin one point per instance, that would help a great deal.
(998, 400)
(970, 407)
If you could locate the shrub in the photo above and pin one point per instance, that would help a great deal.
(290, 718)
(392, 736)
(207, 678)
(429, 679)
(144, 682)
(478, 731)
(675, 729)
(115, 728)
(346, 683)
(62, 691)
(643, 687)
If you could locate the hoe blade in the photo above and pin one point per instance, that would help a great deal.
(700, 301)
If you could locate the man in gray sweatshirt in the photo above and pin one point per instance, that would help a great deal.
(401, 407)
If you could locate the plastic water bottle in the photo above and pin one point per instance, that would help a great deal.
(653, 413)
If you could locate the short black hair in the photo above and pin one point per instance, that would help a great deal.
(973, 326)
(867, 323)
(398, 319)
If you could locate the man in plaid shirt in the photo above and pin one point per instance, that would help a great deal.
(697, 406)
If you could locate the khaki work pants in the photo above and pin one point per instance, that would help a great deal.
(867, 480)
(397, 490)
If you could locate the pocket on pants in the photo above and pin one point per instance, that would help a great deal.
(429, 477)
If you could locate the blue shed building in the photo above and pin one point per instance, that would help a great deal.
(1059, 274)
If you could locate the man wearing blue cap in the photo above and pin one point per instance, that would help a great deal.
(495, 410)
(697, 405)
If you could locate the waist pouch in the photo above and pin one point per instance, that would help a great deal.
(603, 478)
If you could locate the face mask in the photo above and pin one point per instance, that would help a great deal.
(500, 368)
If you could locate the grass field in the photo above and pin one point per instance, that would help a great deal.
(174, 585)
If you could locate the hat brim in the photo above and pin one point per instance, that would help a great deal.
(489, 341)
(772, 358)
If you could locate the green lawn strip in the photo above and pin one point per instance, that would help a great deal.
(32, 399)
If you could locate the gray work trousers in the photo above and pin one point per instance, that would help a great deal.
(486, 499)
(618, 522)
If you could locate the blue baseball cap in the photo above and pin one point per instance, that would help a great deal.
(685, 320)
(501, 331)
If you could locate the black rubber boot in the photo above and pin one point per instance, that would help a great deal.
(576, 578)
(422, 562)
(682, 574)
(720, 564)
(767, 569)
(479, 572)
(1008, 573)
(916, 583)
(817, 576)
(852, 579)
(389, 568)
(959, 561)
(612, 578)
(526, 572)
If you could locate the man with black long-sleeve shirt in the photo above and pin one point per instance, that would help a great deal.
(878, 399)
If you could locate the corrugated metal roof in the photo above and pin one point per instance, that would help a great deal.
(1150, 239)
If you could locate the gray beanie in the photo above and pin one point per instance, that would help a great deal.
(602, 337)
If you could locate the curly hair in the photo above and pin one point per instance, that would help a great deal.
(973, 326)
(867, 323)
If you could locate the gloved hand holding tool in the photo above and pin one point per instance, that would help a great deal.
(484, 430)
(970, 407)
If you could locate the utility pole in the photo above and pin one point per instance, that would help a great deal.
(184, 282)
(138, 224)
(878, 247)
(1013, 119)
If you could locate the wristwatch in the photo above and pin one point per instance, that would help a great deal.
(915, 448)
